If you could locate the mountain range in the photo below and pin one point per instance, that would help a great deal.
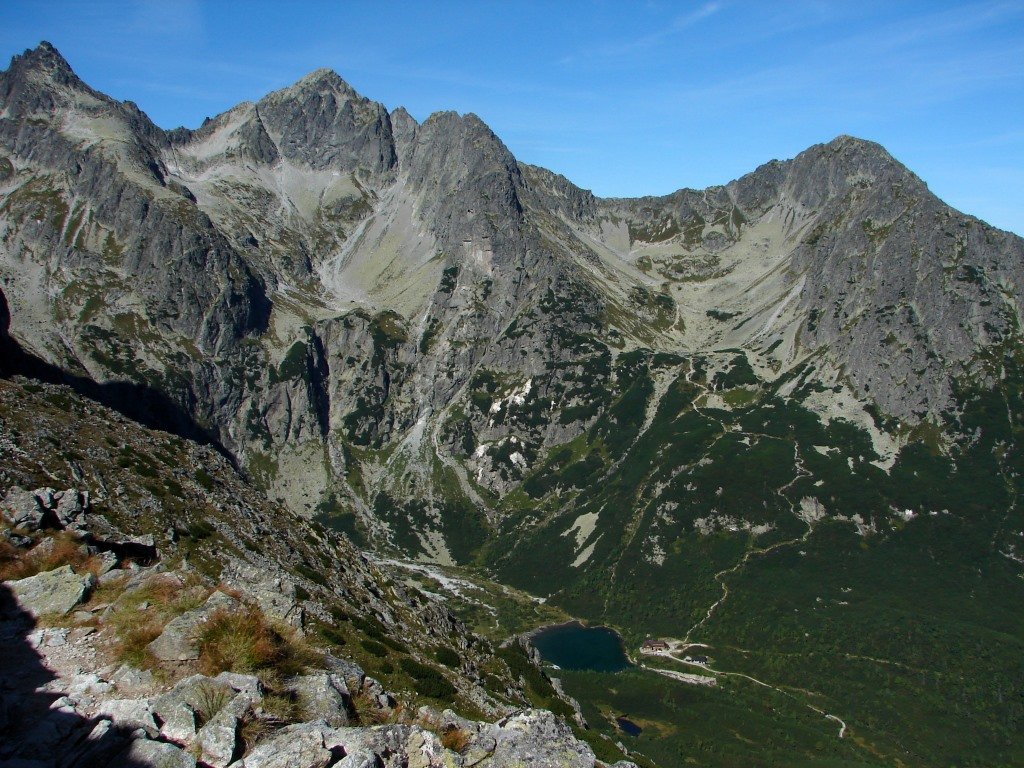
(777, 417)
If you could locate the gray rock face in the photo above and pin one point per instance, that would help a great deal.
(179, 723)
(361, 758)
(323, 697)
(297, 746)
(130, 714)
(155, 754)
(538, 738)
(275, 593)
(218, 738)
(21, 509)
(250, 685)
(321, 122)
(51, 592)
(188, 692)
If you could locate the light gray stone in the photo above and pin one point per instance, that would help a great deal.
(70, 508)
(386, 740)
(218, 738)
(537, 738)
(51, 592)
(21, 509)
(273, 591)
(323, 697)
(179, 723)
(106, 562)
(247, 684)
(129, 677)
(361, 758)
(143, 753)
(89, 683)
(191, 691)
(130, 713)
(297, 746)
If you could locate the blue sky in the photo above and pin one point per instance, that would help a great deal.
(622, 98)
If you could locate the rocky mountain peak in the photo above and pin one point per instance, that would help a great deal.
(322, 82)
(322, 121)
(404, 127)
(39, 79)
(844, 165)
(44, 58)
(324, 77)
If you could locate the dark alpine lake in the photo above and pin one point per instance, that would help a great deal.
(573, 646)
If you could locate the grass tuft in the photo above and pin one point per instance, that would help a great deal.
(59, 550)
(245, 641)
(211, 698)
(456, 739)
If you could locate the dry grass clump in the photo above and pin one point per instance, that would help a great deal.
(133, 637)
(454, 738)
(243, 640)
(368, 711)
(60, 549)
(281, 707)
(164, 597)
(11, 561)
(211, 698)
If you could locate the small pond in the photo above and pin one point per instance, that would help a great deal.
(628, 727)
(574, 646)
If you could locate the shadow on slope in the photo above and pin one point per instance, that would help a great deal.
(35, 729)
(138, 402)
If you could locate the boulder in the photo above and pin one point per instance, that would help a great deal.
(323, 697)
(218, 739)
(361, 758)
(179, 723)
(127, 676)
(247, 684)
(70, 507)
(535, 737)
(21, 509)
(297, 746)
(388, 742)
(106, 562)
(48, 497)
(16, 539)
(179, 640)
(424, 750)
(350, 672)
(376, 692)
(273, 591)
(143, 753)
(88, 684)
(56, 591)
(192, 692)
(129, 714)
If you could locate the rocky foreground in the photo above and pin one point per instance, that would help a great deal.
(64, 704)
(134, 635)
(70, 699)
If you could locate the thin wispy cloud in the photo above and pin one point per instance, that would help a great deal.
(674, 28)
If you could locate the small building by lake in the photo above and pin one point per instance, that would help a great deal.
(653, 646)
